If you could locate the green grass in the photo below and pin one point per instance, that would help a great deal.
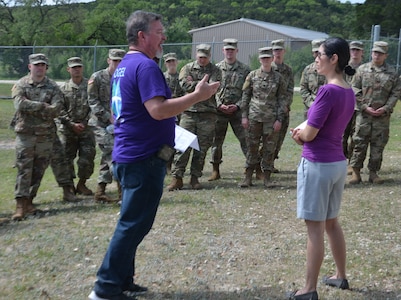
(221, 242)
(5, 90)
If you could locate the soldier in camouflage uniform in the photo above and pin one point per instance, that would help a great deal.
(286, 71)
(263, 110)
(173, 82)
(101, 120)
(311, 81)
(37, 101)
(356, 53)
(75, 134)
(377, 89)
(171, 75)
(199, 119)
(228, 100)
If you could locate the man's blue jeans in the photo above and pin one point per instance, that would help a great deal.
(142, 188)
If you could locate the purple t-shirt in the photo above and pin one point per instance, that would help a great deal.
(136, 134)
(330, 113)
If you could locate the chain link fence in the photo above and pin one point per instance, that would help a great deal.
(14, 59)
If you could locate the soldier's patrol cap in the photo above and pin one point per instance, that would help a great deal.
(203, 50)
(265, 52)
(316, 44)
(356, 45)
(116, 54)
(230, 44)
(38, 58)
(170, 56)
(380, 46)
(74, 62)
(278, 44)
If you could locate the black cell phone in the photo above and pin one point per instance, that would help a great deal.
(166, 152)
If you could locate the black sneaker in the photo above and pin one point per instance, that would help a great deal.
(135, 290)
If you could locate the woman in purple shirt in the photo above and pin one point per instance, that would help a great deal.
(322, 170)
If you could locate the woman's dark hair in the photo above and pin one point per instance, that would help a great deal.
(339, 46)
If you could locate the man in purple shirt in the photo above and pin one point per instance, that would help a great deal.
(144, 132)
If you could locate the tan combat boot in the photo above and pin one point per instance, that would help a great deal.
(258, 172)
(349, 170)
(20, 209)
(247, 182)
(82, 188)
(194, 182)
(266, 181)
(100, 194)
(356, 176)
(30, 207)
(176, 184)
(216, 173)
(69, 194)
(374, 178)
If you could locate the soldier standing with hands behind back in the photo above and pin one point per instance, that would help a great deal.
(37, 101)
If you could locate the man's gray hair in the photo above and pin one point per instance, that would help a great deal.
(139, 21)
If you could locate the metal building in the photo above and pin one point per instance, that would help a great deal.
(251, 35)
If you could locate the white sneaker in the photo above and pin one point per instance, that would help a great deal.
(94, 296)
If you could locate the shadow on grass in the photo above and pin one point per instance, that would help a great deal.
(266, 294)
(374, 294)
(216, 295)
(56, 208)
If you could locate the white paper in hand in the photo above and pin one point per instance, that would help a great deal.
(185, 139)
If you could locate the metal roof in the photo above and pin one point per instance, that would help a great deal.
(292, 32)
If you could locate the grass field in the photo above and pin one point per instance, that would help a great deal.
(221, 242)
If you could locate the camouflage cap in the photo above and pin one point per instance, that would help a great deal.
(38, 58)
(116, 54)
(316, 44)
(74, 62)
(380, 46)
(230, 44)
(170, 56)
(265, 52)
(203, 50)
(356, 45)
(278, 44)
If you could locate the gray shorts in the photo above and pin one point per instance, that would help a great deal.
(319, 189)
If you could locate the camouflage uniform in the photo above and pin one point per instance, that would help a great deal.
(374, 87)
(199, 119)
(76, 110)
(35, 131)
(348, 143)
(288, 76)
(99, 102)
(310, 83)
(263, 102)
(233, 78)
(59, 164)
(174, 84)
